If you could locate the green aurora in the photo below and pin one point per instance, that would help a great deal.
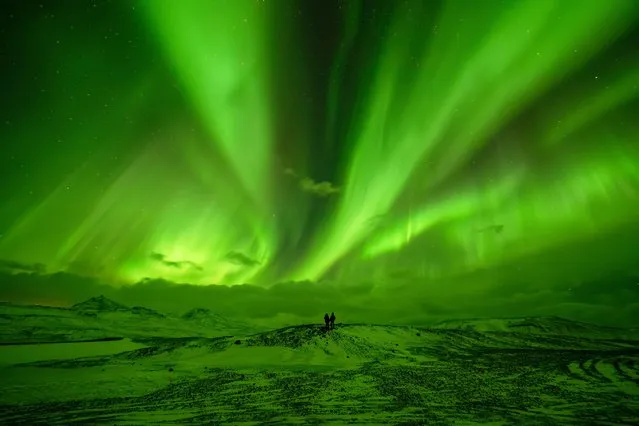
(417, 149)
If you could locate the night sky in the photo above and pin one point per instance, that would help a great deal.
(384, 159)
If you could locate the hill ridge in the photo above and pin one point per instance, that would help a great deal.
(100, 303)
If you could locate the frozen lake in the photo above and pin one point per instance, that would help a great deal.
(18, 354)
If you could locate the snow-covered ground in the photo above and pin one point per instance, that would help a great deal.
(534, 370)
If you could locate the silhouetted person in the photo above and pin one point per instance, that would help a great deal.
(332, 318)
(326, 320)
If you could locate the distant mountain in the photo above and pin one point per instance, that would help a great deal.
(207, 318)
(141, 310)
(99, 303)
(100, 317)
(535, 325)
(198, 313)
(104, 304)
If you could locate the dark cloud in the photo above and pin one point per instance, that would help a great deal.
(158, 256)
(416, 302)
(241, 259)
(58, 289)
(290, 172)
(177, 264)
(85, 268)
(610, 288)
(320, 189)
(12, 265)
(363, 288)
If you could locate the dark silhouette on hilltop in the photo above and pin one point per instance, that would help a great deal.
(332, 319)
(326, 320)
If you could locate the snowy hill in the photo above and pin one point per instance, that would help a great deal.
(206, 318)
(100, 303)
(196, 313)
(142, 311)
(551, 325)
(100, 317)
(375, 374)
(384, 374)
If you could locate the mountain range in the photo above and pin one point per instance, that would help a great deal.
(100, 317)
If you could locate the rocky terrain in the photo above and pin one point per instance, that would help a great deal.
(494, 371)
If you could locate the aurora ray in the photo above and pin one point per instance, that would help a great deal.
(363, 144)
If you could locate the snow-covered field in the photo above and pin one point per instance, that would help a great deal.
(192, 370)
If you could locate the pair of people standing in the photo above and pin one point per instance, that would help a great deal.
(329, 321)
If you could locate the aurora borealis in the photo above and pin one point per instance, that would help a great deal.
(422, 148)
